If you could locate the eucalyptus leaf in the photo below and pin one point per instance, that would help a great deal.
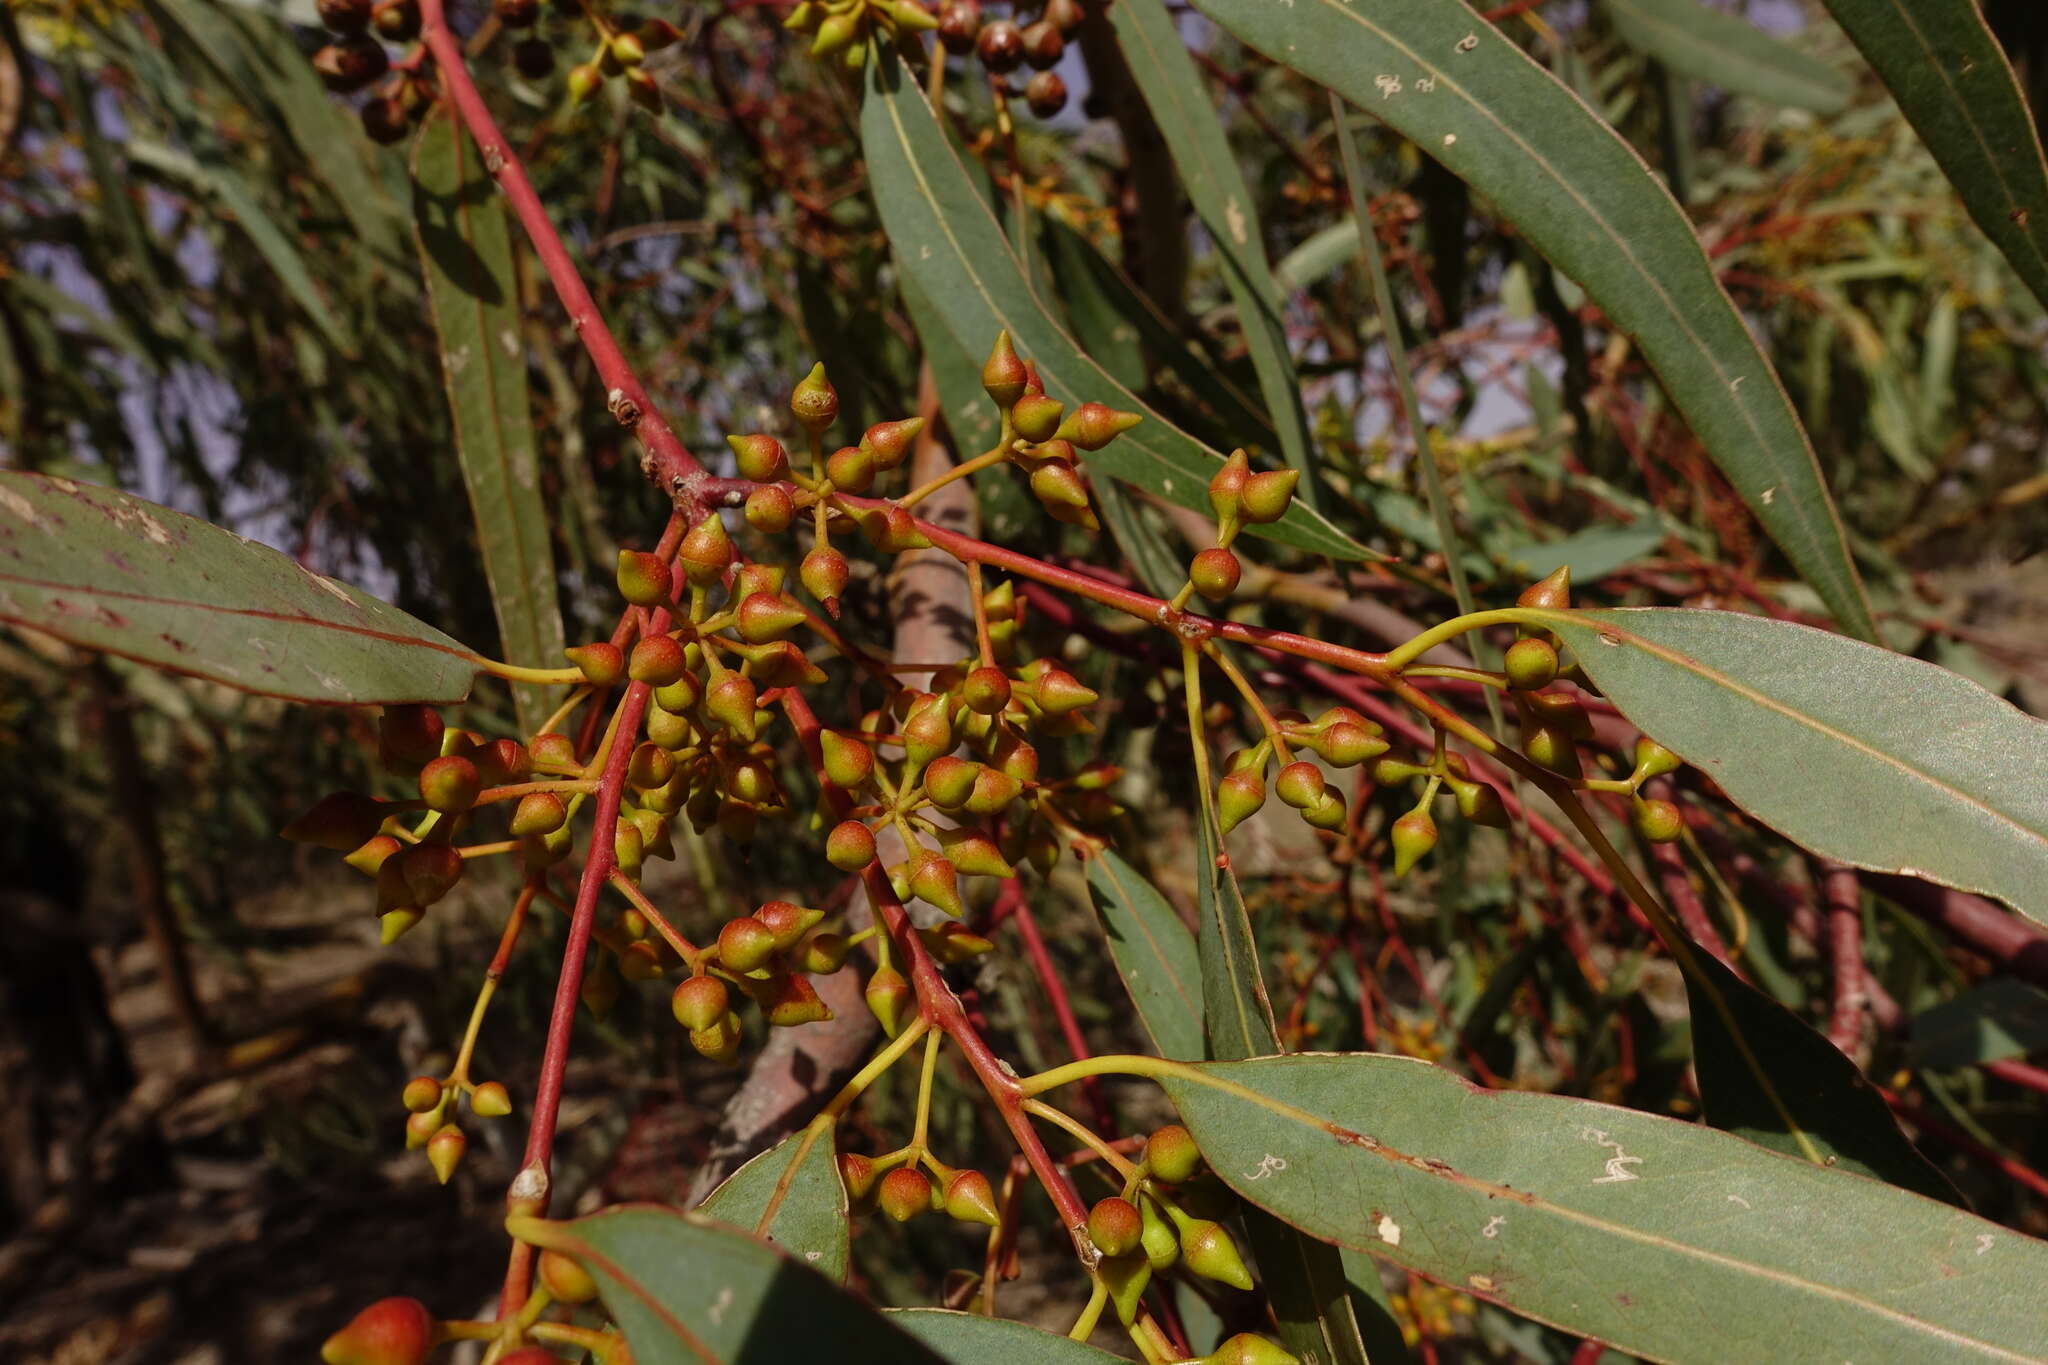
(1862, 755)
(1661, 1238)
(106, 570)
(1728, 50)
(1480, 105)
(791, 1195)
(1955, 86)
(970, 1339)
(466, 251)
(946, 239)
(689, 1291)
(1154, 954)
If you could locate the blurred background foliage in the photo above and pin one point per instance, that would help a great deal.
(210, 295)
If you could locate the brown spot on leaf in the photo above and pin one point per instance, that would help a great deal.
(2019, 216)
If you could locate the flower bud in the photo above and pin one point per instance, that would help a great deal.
(349, 65)
(769, 510)
(904, 1193)
(959, 25)
(1479, 803)
(790, 1001)
(490, 1101)
(430, 872)
(1036, 416)
(851, 469)
(1327, 812)
(539, 813)
(763, 617)
(888, 444)
(565, 1278)
(445, 1150)
(1548, 746)
(970, 1199)
(1045, 94)
(1346, 744)
(1125, 1277)
(1413, 835)
(1094, 425)
(857, 1173)
(602, 663)
(1238, 797)
(890, 999)
(450, 784)
(953, 943)
(848, 761)
(706, 552)
(993, 790)
(1003, 377)
(719, 1043)
(700, 1002)
(824, 573)
(1226, 488)
(657, 660)
(986, 691)
(1553, 592)
(1043, 45)
(1248, 1348)
(935, 880)
(1652, 760)
(1300, 784)
(393, 925)
(422, 1095)
(788, 921)
(1115, 1226)
(1001, 49)
(850, 846)
(344, 17)
(583, 81)
(1057, 484)
(949, 781)
(1266, 495)
(745, 943)
(1561, 711)
(1058, 692)
(419, 1127)
(1531, 664)
(823, 954)
(730, 701)
(760, 458)
(1656, 821)
(814, 401)
(927, 731)
(1212, 1254)
(408, 736)
(395, 1331)
(341, 821)
(1162, 1245)
(1171, 1154)
(643, 578)
(1215, 573)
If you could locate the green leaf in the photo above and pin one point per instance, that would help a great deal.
(466, 253)
(1663, 1239)
(1953, 83)
(1154, 954)
(1998, 1020)
(947, 240)
(1333, 246)
(970, 1339)
(1729, 51)
(1840, 1116)
(1590, 554)
(688, 1291)
(1861, 755)
(1186, 116)
(108, 571)
(1478, 104)
(791, 1195)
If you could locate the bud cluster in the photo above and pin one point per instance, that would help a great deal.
(844, 28)
(357, 59)
(1340, 736)
(1003, 45)
(897, 1185)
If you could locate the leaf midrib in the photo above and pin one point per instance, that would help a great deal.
(1781, 60)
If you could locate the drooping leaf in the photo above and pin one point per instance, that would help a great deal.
(1862, 755)
(1954, 85)
(466, 253)
(2000, 1019)
(946, 238)
(1154, 954)
(1186, 117)
(1663, 1239)
(970, 1339)
(1478, 104)
(791, 1195)
(1831, 1111)
(1728, 50)
(1333, 246)
(108, 571)
(688, 1291)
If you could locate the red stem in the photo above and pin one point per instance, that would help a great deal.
(1844, 893)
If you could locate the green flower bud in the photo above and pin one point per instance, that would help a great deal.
(1266, 495)
(1171, 1154)
(1212, 1254)
(769, 510)
(904, 1193)
(730, 701)
(814, 401)
(1162, 1245)
(1093, 426)
(1036, 416)
(1226, 488)
(1238, 798)
(1414, 835)
(986, 691)
(890, 999)
(760, 458)
(1531, 664)
(445, 1150)
(1656, 821)
(1553, 592)
(1300, 784)
(450, 784)
(490, 1101)
(890, 443)
(706, 552)
(1116, 1227)
(1215, 573)
(970, 1199)
(744, 944)
(850, 846)
(1003, 377)
(700, 1002)
(422, 1095)
(1653, 760)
